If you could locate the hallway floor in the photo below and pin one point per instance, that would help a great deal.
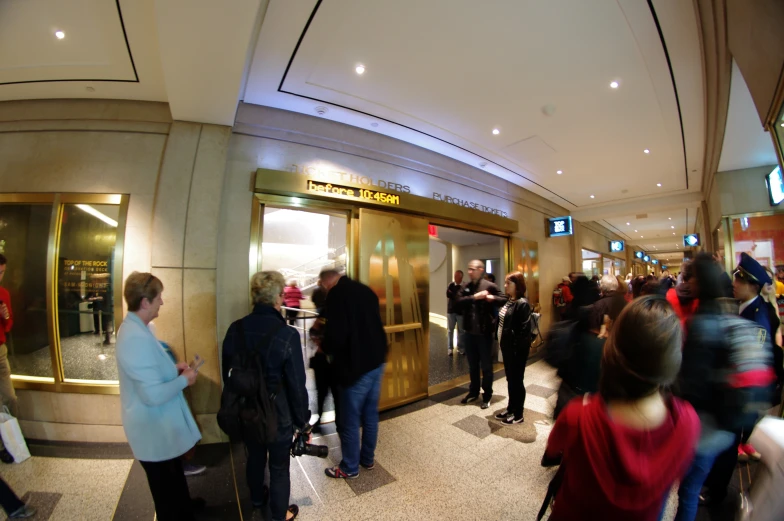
(436, 459)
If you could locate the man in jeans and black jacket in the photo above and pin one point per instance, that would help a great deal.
(478, 321)
(284, 375)
(355, 340)
(454, 315)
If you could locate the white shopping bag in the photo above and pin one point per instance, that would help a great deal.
(12, 436)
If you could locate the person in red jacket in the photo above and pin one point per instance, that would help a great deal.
(292, 296)
(7, 393)
(682, 297)
(622, 449)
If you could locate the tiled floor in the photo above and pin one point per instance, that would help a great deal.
(436, 460)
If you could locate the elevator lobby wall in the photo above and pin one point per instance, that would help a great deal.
(173, 174)
(280, 140)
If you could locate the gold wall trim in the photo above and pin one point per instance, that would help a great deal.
(280, 182)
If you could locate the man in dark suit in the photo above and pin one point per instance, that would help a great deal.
(355, 341)
(478, 323)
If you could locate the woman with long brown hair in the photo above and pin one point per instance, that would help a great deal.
(514, 337)
(624, 447)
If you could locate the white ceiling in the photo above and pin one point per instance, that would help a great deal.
(190, 53)
(746, 143)
(645, 229)
(465, 238)
(442, 74)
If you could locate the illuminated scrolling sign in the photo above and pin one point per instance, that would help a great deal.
(347, 191)
(559, 226)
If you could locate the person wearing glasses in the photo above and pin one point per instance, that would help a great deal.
(156, 418)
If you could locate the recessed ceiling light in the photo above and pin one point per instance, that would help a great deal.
(614, 85)
(647, 151)
(60, 35)
(641, 237)
(360, 69)
(628, 224)
(658, 184)
(670, 218)
(673, 233)
(592, 197)
(635, 230)
(496, 131)
(482, 164)
(673, 227)
(559, 172)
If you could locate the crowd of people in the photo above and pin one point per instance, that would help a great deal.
(663, 381)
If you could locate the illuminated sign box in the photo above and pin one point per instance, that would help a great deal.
(639, 254)
(616, 246)
(692, 240)
(348, 191)
(646, 258)
(775, 186)
(654, 261)
(560, 226)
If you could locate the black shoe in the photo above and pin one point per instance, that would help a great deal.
(512, 419)
(502, 415)
(485, 405)
(6, 457)
(469, 398)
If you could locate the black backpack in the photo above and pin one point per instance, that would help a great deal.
(247, 410)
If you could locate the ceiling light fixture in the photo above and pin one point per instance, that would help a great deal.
(360, 69)
(559, 172)
(592, 197)
(95, 213)
(496, 131)
(635, 231)
(647, 151)
(670, 218)
(614, 85)
(658, 184)
(673, 227)
(641, 237)
(60, 35)
(628, 224)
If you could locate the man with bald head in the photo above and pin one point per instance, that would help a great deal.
(477, 300)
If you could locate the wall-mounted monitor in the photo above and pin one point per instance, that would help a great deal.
(646, 258)
(691, 241)
(560, 226)
(616, 246)
(663, 267)
(639, 254)
(775, 186)
(654, 261)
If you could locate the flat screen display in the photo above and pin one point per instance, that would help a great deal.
(616, 246)
(639, 254)
(654, 261)
(559, 226)
(692, 240)
(646, 258)
(775, 186)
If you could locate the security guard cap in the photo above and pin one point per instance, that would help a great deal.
(751, 270)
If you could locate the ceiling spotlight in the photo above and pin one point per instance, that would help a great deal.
(658, 184)
(559, 172)
(60, 35)
(482, 164)
(360, 69)
(496, 131)
(635, 231)
(670, 218)
(628, 224)
(647, 151)
(641, 237)
(592, 197)
(374, 124)
(614, 85)
(673, 233)
(673, 227)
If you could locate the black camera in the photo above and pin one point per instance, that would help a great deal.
(301, 446)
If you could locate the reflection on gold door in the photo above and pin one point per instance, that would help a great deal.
(394, 262)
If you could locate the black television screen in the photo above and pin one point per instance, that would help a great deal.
(775, 186)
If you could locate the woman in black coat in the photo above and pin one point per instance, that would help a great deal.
(514, 336)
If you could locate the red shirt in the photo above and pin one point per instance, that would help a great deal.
(614, 472)
(5, 325)
(292, 296)
(684, 311)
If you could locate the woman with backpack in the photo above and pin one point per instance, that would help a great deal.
(514, 337)
(622, 449)
(279, 350)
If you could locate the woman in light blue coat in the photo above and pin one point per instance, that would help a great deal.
(157, 420)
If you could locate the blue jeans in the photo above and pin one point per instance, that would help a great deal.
(452, 320)
(691, 484)
(280, 482)
(359, 404)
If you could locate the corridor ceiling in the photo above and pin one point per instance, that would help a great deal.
(441, 74)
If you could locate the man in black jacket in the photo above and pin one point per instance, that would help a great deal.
(478, 322)
(454, 315)
(355, 340)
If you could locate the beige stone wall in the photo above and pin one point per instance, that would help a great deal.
(173, 173)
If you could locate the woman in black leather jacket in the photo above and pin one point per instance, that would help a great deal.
(514, 336)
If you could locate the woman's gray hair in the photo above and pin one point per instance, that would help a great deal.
(266, 287)
(608, 283)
